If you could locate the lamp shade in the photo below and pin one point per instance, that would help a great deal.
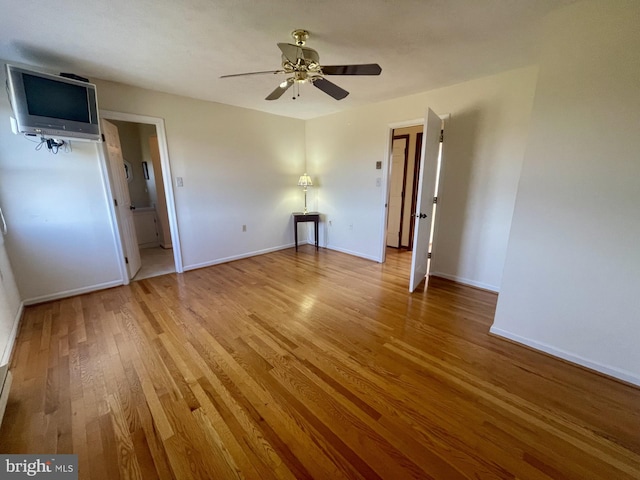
(305, 181)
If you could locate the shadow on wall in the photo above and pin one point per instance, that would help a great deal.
(456, 180)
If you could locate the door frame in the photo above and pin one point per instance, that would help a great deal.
(167, 180)
(387, 180)
(445, 117)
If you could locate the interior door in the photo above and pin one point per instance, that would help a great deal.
(124, 209)
(424, 202)
(396, 188)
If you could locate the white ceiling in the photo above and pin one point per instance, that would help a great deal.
(184, 46)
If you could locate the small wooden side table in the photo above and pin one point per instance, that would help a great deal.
(305, 217)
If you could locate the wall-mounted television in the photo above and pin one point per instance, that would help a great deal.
(52, 106)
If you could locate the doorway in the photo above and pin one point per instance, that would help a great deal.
(406, 204)
(140, 182)
(403, 185)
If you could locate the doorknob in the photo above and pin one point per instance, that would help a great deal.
(422, 215)
(132, 207)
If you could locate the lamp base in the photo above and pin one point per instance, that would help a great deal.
(305, 201)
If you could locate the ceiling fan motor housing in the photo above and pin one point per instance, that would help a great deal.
(300, 36)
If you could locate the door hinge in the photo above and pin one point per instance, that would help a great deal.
(103, 139)
(115, 202)
(126, 260)
(441, 136)
(429, 255)
(435, 199)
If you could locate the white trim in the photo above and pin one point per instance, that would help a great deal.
(73, 292)
(407, 123)
(620, 374)
(466, 281)
(167, 178)
(239, 257)
(386, 178)
(11, 340)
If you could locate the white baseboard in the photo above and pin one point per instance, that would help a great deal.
(238, 257)
(623, 375)
(73, 292)
(466, 281)
(8, 349)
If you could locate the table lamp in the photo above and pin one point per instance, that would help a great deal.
(304, 182)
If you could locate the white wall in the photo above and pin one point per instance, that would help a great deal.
(572, 275)
(239, 167)
(484, 145)
(59, 240)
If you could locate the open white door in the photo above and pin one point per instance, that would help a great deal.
(424, 202)
(121, 197)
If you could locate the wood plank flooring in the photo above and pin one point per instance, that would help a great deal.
(306, 365)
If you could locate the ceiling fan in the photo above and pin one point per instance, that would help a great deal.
(303, 65)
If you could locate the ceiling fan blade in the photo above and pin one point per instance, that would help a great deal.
(252, 73)
(290, 52)
(277, 93)
(294, 52)
(364, 69)
(330, 88)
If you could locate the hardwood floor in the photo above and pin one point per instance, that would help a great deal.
(306, 365)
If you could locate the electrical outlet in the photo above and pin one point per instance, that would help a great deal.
(378, 182)
(244, 228)
(179, 182)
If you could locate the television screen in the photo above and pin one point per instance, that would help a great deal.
(51, 106)
(48, 98)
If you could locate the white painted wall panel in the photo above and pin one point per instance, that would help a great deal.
(572, 274)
